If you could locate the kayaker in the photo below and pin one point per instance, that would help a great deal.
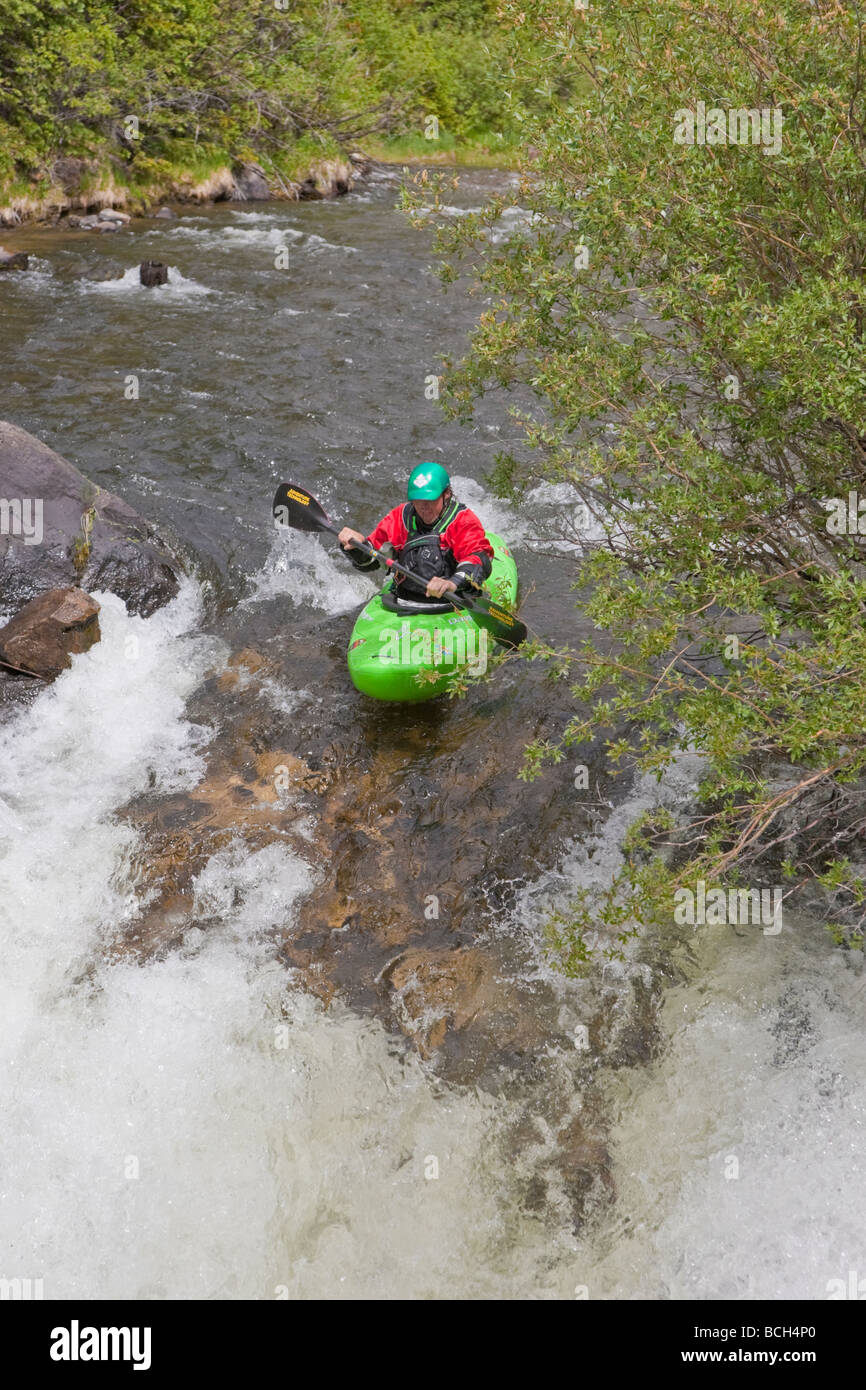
(436, 537)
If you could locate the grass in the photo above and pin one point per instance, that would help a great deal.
(488, 149)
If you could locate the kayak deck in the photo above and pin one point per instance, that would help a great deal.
(413, 656)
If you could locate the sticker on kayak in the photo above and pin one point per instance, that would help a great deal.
(357, 643)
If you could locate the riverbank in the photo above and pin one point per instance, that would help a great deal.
(86, 187)
(128, 108)
(77, 185)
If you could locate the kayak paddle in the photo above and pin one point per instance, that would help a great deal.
(295, 507)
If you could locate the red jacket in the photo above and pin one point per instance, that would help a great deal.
(464, 537)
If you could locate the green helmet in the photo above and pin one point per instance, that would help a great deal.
(428, 481)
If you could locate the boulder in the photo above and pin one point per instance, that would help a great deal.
(59, 530)
(113, 215)
(309, 190)
(69, 173)
(329, 178)
(13, 261)
(165, 213)
(44, 635)
(152, 273)
(251, 184)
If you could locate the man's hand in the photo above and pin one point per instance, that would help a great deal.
(348, 537)
(438, 586)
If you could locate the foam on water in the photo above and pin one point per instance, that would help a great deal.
(190, 1126)
(589, 864)
(300, 567)
(38, 276)
(231, 238)
(104, 730)
(177, 288)
(513, 221)
(318, 243)
(741, 1155)
(547, 521)
(494, 514)
(256, 230)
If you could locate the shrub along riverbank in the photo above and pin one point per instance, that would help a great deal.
(683, 323)
(136, 101)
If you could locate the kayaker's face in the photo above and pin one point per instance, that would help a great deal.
(427, 510)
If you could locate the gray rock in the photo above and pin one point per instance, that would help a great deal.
(166, 213)
(45, 634)
(250, 184)
(18, 260)
(58, 530)
(113, 215)
(69, 172)
(152, 273)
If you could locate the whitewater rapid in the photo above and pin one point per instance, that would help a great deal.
(196, 1127)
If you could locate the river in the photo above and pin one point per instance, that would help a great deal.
(235, 1064)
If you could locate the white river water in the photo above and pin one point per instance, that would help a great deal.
(194, 1128)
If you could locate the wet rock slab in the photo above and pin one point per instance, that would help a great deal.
(58, 530)
(417, 830)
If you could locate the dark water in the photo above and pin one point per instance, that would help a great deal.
(247, 373)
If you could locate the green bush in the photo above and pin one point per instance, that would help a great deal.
(684, 324)
(239, 75)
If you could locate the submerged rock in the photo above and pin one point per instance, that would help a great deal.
(59, 530)
(18, 260)
(165, 213)
(435, 990)
(44, 635)
(418, 837)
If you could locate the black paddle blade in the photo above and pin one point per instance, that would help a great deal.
(294, 506)
(501, 624)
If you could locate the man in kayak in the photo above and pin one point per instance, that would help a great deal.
(439, 539)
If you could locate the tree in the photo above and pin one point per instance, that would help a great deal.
(680, 324)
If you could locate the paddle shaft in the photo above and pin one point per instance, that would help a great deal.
(369, 549)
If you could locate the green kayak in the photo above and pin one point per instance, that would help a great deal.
(412, 651)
